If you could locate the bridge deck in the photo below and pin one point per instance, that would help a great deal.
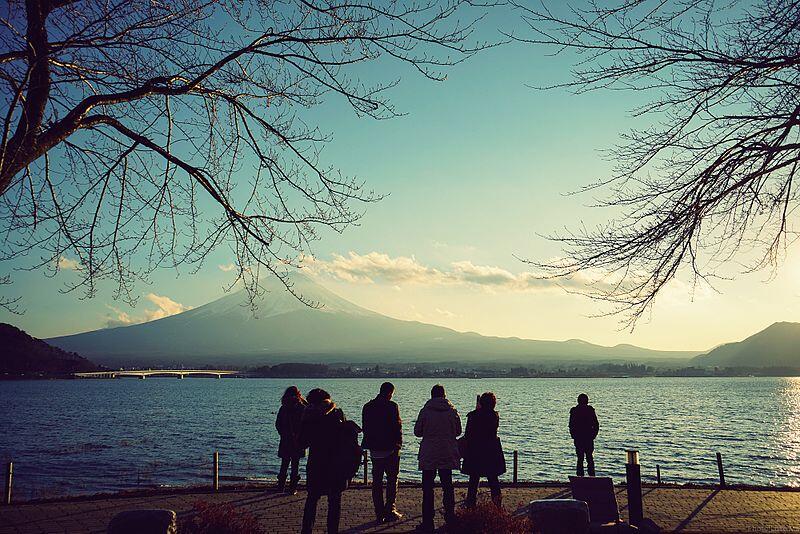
(142, 373)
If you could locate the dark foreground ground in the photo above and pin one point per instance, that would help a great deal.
(675, 509)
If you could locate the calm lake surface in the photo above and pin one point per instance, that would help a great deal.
(85, 436)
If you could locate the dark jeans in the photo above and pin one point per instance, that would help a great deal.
(472, 490)
(295, 477)
(585, 449)
(391, 467)
(334, 511)
(448, 495)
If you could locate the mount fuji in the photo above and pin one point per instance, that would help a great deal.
(283, 329)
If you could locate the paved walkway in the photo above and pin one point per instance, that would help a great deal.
(674, 509)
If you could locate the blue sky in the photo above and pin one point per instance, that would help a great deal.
(474, 173)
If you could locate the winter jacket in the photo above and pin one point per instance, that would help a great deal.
(583, 424)
(383, 428)
(483, 454)
(319, 429)
(288, 426)
(438, 424)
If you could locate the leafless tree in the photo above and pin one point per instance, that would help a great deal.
(711, 177)
(139, 134)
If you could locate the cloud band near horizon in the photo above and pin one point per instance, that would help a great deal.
(377, 267)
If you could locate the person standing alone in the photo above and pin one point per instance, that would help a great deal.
(288, 426)
(438, 424)
(383, 436)
(583, 427)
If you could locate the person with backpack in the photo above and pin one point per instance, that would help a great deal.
(333, 457)
(287, 424)
(383, 436)
(439, 425)
(483, 454)
(583, 427)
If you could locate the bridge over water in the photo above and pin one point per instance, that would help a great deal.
(144, 373)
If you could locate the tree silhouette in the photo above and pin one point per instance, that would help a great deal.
(712, 179)
(139, 134)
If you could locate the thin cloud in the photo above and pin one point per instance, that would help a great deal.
(165, 307)
(117, 318)
(68, 264)
(376, 267)
(227, 268)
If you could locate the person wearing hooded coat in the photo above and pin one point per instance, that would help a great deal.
(438, 424)
(483, 454)
(287, 423)
(319, 430)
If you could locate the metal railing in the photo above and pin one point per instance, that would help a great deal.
(150, 472)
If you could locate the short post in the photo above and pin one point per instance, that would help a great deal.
(365, 467)
(633, 477)
(9, 480)
(721, 471)
(216, 470)
(658, 474)
(516, 466)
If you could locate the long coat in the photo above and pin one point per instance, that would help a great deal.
(484, 454)
(288, 426)
(319, 430)
(438, 424)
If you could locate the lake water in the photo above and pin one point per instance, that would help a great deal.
(84, 436)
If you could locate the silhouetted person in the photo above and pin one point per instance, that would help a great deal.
(287, 424)
(319, 431)
(583, 427)
(483, 453)
(438, 424)
(383, 436)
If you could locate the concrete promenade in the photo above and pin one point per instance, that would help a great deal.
(675, 509)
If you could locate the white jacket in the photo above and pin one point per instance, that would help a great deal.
(438, 424)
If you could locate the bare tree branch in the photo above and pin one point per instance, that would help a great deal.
(713, 178)
(141, 134)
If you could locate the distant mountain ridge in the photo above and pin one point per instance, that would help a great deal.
(22, 354)
(285, 329)
(776, 346)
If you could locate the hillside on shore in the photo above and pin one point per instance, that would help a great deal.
(23, 355)
(776, 346)
(283, 329)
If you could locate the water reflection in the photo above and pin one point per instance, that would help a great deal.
(80, 436)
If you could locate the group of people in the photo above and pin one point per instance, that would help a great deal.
(317, 424)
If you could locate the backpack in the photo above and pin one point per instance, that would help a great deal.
(348, 452)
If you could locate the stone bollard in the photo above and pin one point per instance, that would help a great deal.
(559, 516)
(144, 522)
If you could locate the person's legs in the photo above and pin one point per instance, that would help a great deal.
(494, 485)
(334, 511)
(579, 452)
(392, 474)
(590, 460)
(428, 477)
(448, 494)
(472, 491)
(309, 513)
(282, 473)
(378, 468)
(295, 476)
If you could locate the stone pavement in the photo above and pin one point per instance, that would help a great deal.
(674, 509)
